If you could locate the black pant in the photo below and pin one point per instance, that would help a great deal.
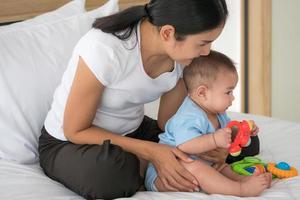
(103, 171)
(251, 150)
(95, 171)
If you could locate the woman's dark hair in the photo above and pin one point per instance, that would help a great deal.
(186, 16)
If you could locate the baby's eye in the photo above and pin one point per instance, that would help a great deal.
(229, 92)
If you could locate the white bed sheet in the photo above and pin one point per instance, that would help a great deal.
(280, 141)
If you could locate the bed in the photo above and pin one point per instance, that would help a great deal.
(279, 142)
(32, 57)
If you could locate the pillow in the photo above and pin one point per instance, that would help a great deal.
(72, 8)
(32, 62)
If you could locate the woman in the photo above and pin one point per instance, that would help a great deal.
(126, 60)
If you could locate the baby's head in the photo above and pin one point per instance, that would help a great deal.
(210, 81)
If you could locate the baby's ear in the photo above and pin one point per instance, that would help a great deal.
(201, 91)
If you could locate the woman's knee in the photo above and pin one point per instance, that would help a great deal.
(114, 174)
(94, 171)
(252, 150)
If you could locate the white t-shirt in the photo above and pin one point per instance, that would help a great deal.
(118, 66)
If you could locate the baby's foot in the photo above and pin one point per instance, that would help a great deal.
(244, 178)
(255, 185)
(269, 175)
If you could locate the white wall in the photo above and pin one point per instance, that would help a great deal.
(285, 60)
(228, 43)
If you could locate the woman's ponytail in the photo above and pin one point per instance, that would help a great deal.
(186, 16)
(122, 23)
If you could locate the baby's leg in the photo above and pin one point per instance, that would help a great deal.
(213, 182)
(229, 173)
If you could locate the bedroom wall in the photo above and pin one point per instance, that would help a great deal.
(285, 60)
(230, 44)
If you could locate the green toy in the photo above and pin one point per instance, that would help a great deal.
(249, 165)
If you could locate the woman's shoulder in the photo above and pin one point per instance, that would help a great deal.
(98, 37)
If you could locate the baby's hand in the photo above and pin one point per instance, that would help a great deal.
(222, 137)
(255, 129)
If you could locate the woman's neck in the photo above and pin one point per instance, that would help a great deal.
(155, 60)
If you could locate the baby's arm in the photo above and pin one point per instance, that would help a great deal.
(220, 138)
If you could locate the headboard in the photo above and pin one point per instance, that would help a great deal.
(18, 10)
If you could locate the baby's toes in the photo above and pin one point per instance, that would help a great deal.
(267, 179)
(270, 179)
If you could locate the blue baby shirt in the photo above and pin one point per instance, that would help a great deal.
(190, 121)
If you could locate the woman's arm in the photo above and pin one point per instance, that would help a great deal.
(82, 103)
(170, 102)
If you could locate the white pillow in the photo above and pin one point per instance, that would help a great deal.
(72, 8)
(32, 62)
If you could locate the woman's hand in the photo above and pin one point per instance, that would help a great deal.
(173, 175)
(218, 155)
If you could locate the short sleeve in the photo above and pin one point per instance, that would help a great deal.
(227, 119)
(100, 58)
(187, 130)
(224, 120)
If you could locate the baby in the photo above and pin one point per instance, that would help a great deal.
(199, 126)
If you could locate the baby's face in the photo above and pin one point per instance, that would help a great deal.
(220, 95)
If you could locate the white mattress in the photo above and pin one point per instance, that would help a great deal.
(280, 141)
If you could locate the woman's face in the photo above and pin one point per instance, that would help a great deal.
(193, 46)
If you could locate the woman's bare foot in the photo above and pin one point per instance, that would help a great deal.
(255, 185)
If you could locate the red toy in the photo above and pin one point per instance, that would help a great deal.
(240, 136)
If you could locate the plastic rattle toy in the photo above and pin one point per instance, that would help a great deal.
(248, 166)
(282, 170)
(240, 136)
